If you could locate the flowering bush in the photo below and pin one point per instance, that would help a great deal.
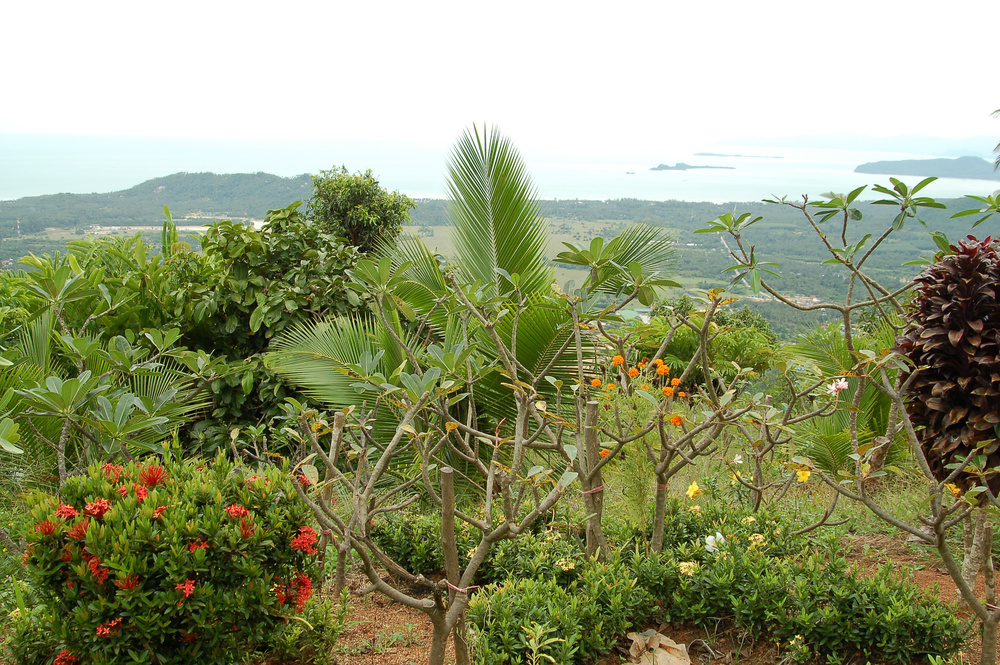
(172, 562)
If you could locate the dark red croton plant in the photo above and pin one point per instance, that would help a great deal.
(953, 340)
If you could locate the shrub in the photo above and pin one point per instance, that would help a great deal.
(586, 618)
(176, 562)
(816, 602)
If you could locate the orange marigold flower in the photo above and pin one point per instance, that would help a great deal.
(611, 386)
(605, 452)
(662, 370)
(682, 394)
(676, 421)
(658, 362)
(675, 382)
(633, 372)
(668, 391)
(618, 361)
(596, 383)
(642, 365)
(645, 386)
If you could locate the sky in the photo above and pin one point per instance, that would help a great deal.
(558, 77)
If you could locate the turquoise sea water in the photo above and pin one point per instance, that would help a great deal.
(33, 165)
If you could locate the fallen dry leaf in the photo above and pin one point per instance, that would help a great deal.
(654, 648)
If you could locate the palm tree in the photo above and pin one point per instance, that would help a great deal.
(501, 246)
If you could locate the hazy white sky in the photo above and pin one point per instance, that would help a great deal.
(553, 75)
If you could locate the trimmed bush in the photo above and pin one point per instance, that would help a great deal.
(179, 562)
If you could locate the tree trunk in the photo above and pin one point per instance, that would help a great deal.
(974, 541)
(593, 487)
(989, 656)
(439, 639)
(659, 514)
(450, 547)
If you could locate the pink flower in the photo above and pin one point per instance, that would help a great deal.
(835, 387)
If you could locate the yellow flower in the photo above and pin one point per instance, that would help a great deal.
(750, 519)
(565, 564)
(954, 489)
(757, 540)
(693, 490)
(803, 475)
(696, 509)
(688, 567)
(618, 361)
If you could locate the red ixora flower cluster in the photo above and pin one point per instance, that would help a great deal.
(247, 528)
(46, 528)
(305, 541)
(129, 583)
(152, 475)
(112, 471)
(299, 589)
(66, 511)
(199, 544)
(64, 657)
(140, 491)
(79, 530)
(99, 572)
(187, 588)
(97, 508)
(159, 511)
(236, 510)
(106, 629)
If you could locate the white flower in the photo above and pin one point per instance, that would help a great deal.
(713, 543)
(738, 459)
(837, 386)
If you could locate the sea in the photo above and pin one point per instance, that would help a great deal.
(33, 165)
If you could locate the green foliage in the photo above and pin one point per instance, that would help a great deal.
(952, 341)
(247, 286)
(357, 208)
(586, 618)
(815, 599)
(173, 563)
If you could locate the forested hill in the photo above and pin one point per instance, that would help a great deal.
(963, 167)
(237, 195)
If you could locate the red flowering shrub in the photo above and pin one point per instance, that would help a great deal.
(168, 563)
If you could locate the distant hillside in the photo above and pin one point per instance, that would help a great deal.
(961, 167)
(215, 196)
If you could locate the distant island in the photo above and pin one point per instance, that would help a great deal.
(721, 154)
(973, 168)
(681, 166)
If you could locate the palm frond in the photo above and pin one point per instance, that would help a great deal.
(652, 247)
(494, 211)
